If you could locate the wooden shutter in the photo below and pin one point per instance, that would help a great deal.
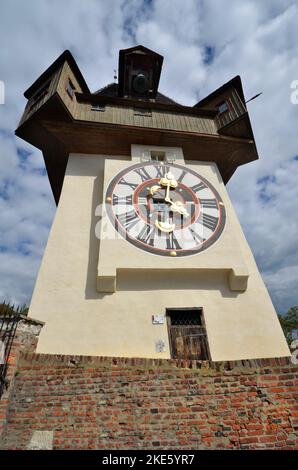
(187, 335)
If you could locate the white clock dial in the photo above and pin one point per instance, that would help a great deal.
(165, 209)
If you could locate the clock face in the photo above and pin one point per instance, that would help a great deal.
(165, 209)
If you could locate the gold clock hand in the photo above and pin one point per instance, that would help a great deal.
(170, 182)
(154, 189)
(167, 197)
(179, 207)
(166, 227)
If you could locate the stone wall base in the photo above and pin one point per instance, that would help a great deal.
(75, 402)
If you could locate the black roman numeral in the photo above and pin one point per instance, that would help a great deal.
(198, 187)
(196, 236)
(182, 176)
(146, 235)
(172, 242)
(132, 185)
(125, 200)
(128, 219)
(208, 203)
(208, 221)
(161, 170)
(143, 174)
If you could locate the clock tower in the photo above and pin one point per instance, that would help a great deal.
(146, 257)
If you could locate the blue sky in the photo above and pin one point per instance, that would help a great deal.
(203, 47)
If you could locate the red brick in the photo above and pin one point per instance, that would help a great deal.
(267, 439)
(247, 440)
(109, 403)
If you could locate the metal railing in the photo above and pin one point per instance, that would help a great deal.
(9, 318)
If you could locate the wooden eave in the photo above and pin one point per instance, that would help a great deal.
(53, 129)
(144, 49)
(154, 105)
(233, 83)
(65, 56)
(225, 130)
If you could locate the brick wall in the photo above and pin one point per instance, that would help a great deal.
(25, 340)
(117, 403)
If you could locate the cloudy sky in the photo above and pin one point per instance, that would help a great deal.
(204, 43)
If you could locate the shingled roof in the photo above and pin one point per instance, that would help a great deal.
(112, 90)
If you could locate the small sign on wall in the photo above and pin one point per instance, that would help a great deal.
(158, 319)
(160, 345)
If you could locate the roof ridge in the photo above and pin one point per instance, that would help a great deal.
(113, 84)
(104, 87)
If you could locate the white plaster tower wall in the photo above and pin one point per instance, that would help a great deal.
(80, 320)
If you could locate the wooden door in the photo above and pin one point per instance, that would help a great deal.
(187, 336)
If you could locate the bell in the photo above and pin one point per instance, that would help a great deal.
(140, 83)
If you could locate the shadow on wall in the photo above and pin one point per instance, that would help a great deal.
(136, 280)
(94, 242)
(90, 288)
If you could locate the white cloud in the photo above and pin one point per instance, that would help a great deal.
(254, 39)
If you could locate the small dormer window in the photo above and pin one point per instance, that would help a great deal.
(223, 107)
(98, 107)
(142, 112)
(70, 88)
(158, 156)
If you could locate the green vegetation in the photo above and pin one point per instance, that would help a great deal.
(7, 309)
(289, 322)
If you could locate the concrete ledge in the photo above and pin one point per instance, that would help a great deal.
(24, 319)
(107, 276)
(106, 280)
(32, 320)
(238, 278)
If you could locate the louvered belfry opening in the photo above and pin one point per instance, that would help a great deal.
(187, 334)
